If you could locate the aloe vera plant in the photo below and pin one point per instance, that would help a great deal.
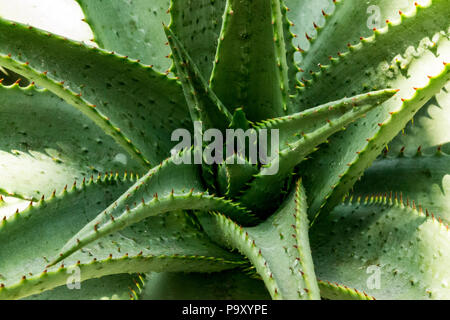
(97, 205)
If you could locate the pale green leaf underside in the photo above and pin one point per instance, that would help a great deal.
(428, 129)
(386, 249)
(420, 178)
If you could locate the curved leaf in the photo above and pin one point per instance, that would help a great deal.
(227, 285)
(231, 178)
(333, 170)
(297, 144)
(202, 102)
(420, 178)
(30, 238)
(324, 34)
(334, 291)
(46, 144)
(384, 248)
(130, 101)
(278, 248)
(131, 28)
(250, 70)
(198, 29)
(165, 188)
(428, 129)
(113, 287)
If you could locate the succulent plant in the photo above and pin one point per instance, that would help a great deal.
(105, 209)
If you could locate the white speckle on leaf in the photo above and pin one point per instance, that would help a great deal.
(120, 157)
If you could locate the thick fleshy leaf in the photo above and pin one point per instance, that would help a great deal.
(8, 77)
(335, 291)
(292, 127)
(10, 205)
(198, 23)
(303, 15)
(132, 101)
(302, 18)
(384, 248)
(231, 178)
(165, 188)
(203, 104)
(333, 170)
(131, 28)
(113, 287)
(31, 238)
(227, 285)
(278, 248)
(250, 70)
(46, 144)
(325, 33)
(428, 129)
(328, 290)
(419, 178)
(383, 60)
(301, 134)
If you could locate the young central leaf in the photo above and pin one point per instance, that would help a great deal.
(249, 71)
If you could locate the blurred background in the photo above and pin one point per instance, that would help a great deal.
(63, 17)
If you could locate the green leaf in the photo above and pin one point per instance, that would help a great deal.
(227, 285)
(292, 127)
(131, 28)
(203, 104)
(113, 287)
(278, 248)
(330, 33)
(46, 144)
(132, 101)
(350, 153)
(32, 237)
(300, 135)
(290, 51)
(165, 188)
(231, 178)
(301, 18)
(384, 248)
(10, 205)
(383, 60)
(198, 29)
(303, 15)
(420, 178)
(250, 70)
(240, 121)
(335, 291)
(428, 129)
(8, 77)
(330, 291)
(333, 170)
